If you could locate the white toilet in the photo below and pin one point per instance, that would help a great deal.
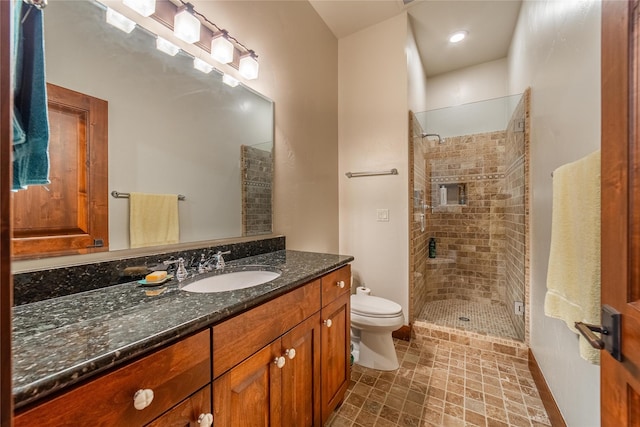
(372, 321)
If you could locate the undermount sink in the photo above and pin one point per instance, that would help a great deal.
(231, 280)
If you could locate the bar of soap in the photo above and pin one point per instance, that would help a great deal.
(156, 276)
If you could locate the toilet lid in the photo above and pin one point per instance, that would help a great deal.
(370, 306)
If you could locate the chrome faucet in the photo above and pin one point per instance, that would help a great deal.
(204, 265)
(181, 271)
(220, 260)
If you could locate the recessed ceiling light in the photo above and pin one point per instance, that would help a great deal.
(458, 36)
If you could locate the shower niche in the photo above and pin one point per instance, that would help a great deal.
(449, 194)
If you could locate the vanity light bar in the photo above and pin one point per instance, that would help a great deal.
(187, 26)
(201, 65)
(164, 45)
(120, 21)
(229, 81)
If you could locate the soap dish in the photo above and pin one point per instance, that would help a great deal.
(144, 282)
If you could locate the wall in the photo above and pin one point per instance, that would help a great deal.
(476, 83)
(373, 135)
(556, 51)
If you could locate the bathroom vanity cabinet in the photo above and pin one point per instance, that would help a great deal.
(281, 363)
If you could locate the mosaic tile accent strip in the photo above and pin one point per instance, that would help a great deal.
(491, 319)
(257, 175)
(443, 383)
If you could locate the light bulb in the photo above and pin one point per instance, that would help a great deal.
(248, 67)
(166, 46)
(458, 36)
(222, 49)
(229, 81)
(201, 65)
(120, 21)
(143, 7)
(186, 26)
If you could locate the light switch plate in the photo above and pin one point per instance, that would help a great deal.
(383, 215)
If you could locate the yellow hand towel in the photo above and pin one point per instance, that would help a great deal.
(153, 219)
(573, 278)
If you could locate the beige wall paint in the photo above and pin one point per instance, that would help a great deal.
(556, 51)
(471, 84)
(416, 75)
(373, 135)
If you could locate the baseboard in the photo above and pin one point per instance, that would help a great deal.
(553, 412)
(404, 333)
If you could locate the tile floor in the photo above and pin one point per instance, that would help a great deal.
(490, 319)
(441, 383)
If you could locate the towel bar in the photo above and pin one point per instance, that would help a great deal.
(393, 171)
(119, 195)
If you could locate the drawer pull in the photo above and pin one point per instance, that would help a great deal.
(290, 353)
(340, 284)
(205, 420)
(328, 323)
(142, 398)
(280, 361)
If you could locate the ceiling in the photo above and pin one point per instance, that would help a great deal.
(490, 24)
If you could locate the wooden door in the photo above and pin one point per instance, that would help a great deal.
(187, 413)
(70, 215)
(620, 381)
(301, 375)
(250, 394)
(335, 353)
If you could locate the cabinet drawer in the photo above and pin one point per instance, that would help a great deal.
(173, 373)
(335, 284)
(238, 338)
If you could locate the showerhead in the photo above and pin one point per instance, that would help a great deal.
(427, 135)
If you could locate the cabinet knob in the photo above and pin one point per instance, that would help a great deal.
(280, 361)
(340, 284)
(205, 420)
(142, 398)
(290, 353)
(328, 323)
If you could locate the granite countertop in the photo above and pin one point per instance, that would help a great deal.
(61, 341)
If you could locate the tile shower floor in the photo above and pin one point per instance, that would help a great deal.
(445, 384)
(483, 318)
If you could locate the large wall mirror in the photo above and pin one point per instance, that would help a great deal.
(171, 128)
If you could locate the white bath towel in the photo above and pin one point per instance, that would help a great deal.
(153, 219)
(573, 278)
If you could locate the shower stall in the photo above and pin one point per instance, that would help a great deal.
(470, 195)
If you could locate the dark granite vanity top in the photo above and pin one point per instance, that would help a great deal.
(61, 341)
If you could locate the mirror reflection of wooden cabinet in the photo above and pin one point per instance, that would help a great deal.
(70, 215)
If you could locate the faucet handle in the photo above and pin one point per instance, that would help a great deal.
(219, 260)
(181, 271)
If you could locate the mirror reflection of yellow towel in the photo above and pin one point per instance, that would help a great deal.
(153, 219)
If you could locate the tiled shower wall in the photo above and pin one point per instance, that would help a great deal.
(470, 237)
(257, 174)
(515, 213)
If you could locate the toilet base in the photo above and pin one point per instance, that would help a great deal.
(376, 351)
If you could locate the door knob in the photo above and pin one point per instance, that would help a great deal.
(280, 361)
(290, 353)
(328, 322)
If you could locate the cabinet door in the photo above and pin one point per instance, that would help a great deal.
(335, 353)
(250, 394)
(301, 375)
(187, 413)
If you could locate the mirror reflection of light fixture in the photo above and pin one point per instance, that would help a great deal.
(222, 49)
(186, 26)
(143, 7)
(166, 46)
(229, 81)
(248, 66)
(120, 21)
(201, 65)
